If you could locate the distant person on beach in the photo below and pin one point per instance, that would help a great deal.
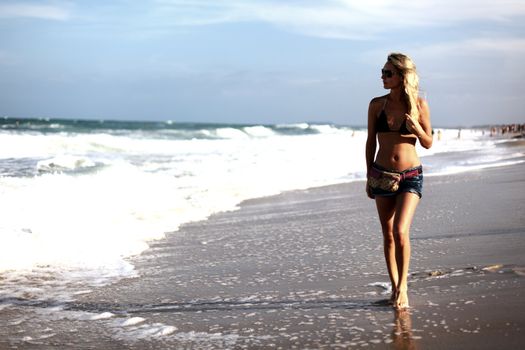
(395, 178)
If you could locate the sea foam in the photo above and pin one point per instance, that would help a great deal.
(97, 194)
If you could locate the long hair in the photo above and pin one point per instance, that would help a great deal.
(406, 67)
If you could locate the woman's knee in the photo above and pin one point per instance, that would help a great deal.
(401, 235)
(388, 237)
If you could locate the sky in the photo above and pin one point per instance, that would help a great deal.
(258, 61)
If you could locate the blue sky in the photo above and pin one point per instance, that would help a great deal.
(258, 61)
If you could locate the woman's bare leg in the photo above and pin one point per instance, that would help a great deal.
(405, 209)
(386, 207)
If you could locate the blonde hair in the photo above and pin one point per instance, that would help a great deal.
(407, 69)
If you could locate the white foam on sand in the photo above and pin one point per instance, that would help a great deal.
(142, 331)
(129, 328)
(136, 329)
(102, 316)
(384, 286)
(132, 321)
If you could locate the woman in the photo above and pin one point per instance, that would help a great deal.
(395, 179)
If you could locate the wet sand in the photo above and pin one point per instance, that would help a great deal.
(305, 270)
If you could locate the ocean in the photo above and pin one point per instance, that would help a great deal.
(79, 198)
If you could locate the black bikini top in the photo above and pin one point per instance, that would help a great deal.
(382, 123)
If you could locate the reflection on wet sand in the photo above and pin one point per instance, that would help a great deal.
(402, 337)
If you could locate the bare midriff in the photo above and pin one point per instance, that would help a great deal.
(396, 151)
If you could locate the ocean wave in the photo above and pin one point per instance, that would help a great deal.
(325, 128)
(64, 163)
(168, 129)
(301, 126)
(230, 133)
(259, 131)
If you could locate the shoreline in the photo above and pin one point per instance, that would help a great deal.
(304, 269)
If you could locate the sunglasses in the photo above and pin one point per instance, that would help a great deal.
(387, 73)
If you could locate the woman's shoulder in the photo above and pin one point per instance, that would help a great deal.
(378, 101)
(422, 103)
(376, 104)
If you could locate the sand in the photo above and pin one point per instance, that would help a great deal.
(305, 270)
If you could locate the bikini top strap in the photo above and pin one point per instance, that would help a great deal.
(384, 104)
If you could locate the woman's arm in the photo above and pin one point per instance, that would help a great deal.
(422, 128)
(371, 141)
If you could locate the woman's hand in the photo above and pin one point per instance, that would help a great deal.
(368, 193)
(413, 125)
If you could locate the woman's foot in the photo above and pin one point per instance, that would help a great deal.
(393, 297)
(401, 302)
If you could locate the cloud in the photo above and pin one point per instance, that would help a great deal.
(486, 46)
(500, 45)
(30, 10)
(350, 19)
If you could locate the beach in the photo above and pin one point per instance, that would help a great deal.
(305, 270)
